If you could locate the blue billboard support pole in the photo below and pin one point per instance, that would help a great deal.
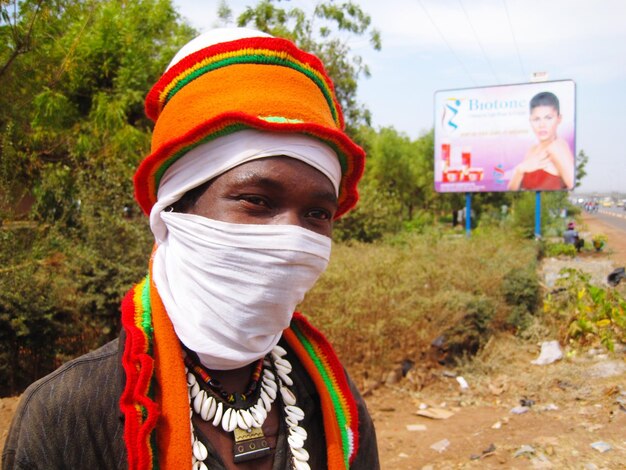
(538, 215)
(468, 214)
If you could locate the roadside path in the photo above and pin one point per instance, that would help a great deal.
(614, 228)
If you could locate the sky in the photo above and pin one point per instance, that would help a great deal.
(431, 45)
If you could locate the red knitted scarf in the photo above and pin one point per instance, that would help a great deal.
(155, 404)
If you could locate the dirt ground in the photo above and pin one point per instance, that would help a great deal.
(616, 245)
(578, 405)
(576, 418)
(575, 403)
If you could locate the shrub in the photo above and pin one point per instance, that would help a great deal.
(590, 313)
(559, 249)
(470, 334)
(38, 316)
(521, 288)
(598, 241)
(519, 318)
(376, 215)
(382, 302)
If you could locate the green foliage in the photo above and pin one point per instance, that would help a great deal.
(38, 316)
(384, 301)
(581, 167)
(396, 190)
(469, 335)
(376, 214)
(519, 319)
(72, 131)
(591, 313)
(523, 212)
(521, 291)
(402, 167)
(521, 287)
(419, 223)
(598, 241)
(560, 249)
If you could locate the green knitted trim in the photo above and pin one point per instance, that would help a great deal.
(332, 388)
(148, 329)
(281, 120)
(255, 59)
(146, 313)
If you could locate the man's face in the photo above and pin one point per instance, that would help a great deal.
(544, 121)
(275, 190)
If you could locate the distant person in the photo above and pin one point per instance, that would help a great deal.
(571, 237)
(549, 164)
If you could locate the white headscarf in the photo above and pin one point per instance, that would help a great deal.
(211, 159)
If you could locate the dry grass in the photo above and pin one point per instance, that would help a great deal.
(381, 303)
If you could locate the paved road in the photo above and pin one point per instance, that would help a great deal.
(614, 228)
(613, 217)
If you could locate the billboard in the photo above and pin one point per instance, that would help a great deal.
(506, 138)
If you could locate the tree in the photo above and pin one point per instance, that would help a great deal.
(326, 34)
(16, 35)
(397, 186)
(403, 168)
(581, 165)
(73, 131)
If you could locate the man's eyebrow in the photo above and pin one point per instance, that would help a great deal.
(328, 196)
(276, 184)
(253, 178)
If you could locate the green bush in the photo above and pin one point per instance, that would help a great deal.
(382, 302)
(587, 314)
(419, 222)
(38, 316)
(470, 334)
(520, 287)
(519, 318)
(559, 249)
(376, 215)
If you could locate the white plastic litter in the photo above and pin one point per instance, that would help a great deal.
(441, 445)
(462, 383)
(601, 446)
(550, 352)
(520, 410)
(416, 427)
(525, 449)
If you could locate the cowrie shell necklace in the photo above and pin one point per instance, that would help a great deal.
(242, 421)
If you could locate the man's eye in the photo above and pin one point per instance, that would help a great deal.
(320, 214)
(256, 200)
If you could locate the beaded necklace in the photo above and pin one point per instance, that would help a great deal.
(238, 400)
(246, 423)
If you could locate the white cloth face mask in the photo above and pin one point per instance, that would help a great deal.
(231, 289)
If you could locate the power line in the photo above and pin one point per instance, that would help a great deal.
(480, 44)
(519, 57)
(447, 43)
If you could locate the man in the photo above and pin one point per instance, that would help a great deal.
(249, 167)
(571, 237)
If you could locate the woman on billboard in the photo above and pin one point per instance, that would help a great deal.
(549, 164)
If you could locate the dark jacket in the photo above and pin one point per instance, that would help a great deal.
(71, 419)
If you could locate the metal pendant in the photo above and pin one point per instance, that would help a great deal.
(250, 444)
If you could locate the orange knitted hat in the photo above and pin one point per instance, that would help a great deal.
(261, 83)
